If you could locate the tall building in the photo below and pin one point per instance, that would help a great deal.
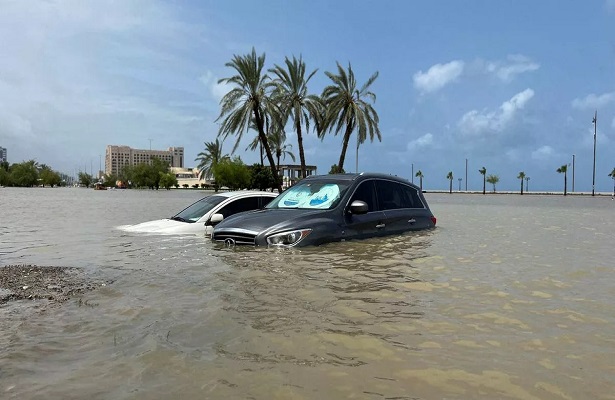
(3, 154)
(117, 157)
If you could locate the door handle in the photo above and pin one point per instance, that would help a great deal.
(380, 226)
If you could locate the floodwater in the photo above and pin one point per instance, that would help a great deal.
(510, 297)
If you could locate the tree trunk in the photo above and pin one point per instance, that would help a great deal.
(484, 183)
(450, 186)
(521, 186)
(263, 137)
(349, 129)
(300, 144)
(565, 184)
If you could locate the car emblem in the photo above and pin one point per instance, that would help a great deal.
(229, 242)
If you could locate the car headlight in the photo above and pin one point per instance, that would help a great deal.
(289, 238)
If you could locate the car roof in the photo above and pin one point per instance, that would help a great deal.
(240, 193)
(362, 175)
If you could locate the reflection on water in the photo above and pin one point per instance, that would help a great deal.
(510, 297)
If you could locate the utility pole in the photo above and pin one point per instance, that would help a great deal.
(595, 121)
(466, 174)
(573, 172)
(459, 179)
(412, 178)
(150, 143)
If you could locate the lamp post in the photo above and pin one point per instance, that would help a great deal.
(527, 183)
(412, 178)
(595, 121)
(466, 174)
(573, 172)
(459, 179)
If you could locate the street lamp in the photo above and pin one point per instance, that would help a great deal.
(595, 122)
(527, 182)
(459, 179)
(573, 172)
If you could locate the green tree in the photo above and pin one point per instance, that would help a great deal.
(110, 180)
(521, 176)
(261, 178)
(24, 174)
(5, 176)
(233, 174)
(349, 108)
(292, 96)
(336, 170)
(493, 179)
(167, 180)
(209, 158)
(612, 175)
(249, 99)
(483, 172)
(85, 179)
(564, 170)
(420, 175)
(48, 176)
(449, 176)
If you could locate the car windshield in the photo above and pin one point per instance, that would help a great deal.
(195, 211)
(311, 195)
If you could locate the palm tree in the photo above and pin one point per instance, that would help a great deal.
(249, 100)
(277, 141)
(612, 175)
(295, 102)
(449, 176)
(348, 107)
(521, 176)
(209, 158)
(483, 172)
(420, 175)
(493, 179)
(562, 170)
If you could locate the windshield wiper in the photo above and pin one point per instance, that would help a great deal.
(180, 219)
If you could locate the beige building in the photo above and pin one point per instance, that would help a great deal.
(117, 157)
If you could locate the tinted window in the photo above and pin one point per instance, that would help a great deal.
(393, 195)
(239, 205)
(365, 192)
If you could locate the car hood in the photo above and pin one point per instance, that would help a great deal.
(258, 221)
(165, 226)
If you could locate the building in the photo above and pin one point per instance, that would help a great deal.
(3, 154)
(118, 157)
(291, 173)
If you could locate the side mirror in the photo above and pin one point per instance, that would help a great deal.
(359, 207)
(214, 219)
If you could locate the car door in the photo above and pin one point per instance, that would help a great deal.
(365, 225)
(402, 207)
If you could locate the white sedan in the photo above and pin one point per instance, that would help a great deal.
(200, 216)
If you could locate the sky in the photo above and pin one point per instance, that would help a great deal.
(506, 85)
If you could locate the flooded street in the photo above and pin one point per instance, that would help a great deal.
(510, 297)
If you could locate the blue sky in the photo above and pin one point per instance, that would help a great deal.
(511, 86)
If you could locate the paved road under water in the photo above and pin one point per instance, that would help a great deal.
(511, 297)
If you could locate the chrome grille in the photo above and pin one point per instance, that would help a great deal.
(240, 238)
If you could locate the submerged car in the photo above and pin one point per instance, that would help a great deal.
(200, 216)
(330, 208)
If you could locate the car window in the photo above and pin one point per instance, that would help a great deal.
(196, 210)
(365, 192)
(311, 195)
(393, 195)
(239, 205)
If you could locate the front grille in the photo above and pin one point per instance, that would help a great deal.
(240, 238)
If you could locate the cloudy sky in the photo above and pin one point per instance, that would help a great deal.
(511, 86)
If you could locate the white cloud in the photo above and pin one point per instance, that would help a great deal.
(476, 123)
(438, 76)
(514, 65)
(543, 153)
(593, 101)
(217, 90)
(423, 141)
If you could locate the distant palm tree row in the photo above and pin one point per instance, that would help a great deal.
(266, 101)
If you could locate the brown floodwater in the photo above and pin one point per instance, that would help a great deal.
(510, 297)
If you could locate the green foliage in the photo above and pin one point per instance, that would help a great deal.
(185, 186)
(5, 178)
(493, 179)
(85, 179)
(349, 107)
(233, 174)
(336, 170)
(146, 175)
(49, 177)
(261, 177)
(24, 174)
(110, 180)
(209, 158)
(167, 180)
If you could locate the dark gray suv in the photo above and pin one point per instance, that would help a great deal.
(331, 208)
